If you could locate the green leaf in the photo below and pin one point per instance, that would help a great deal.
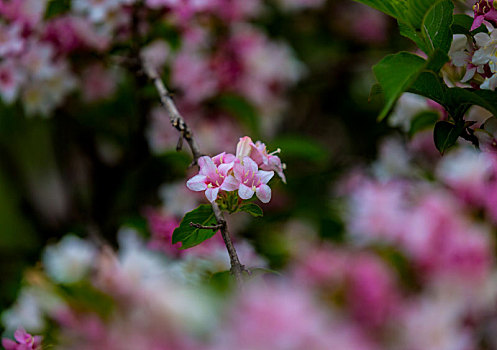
(396, 73)
(417, 10)
(241, 109)
(462, 25)
(301, 147)
(191, 236)
(455, 100)
(57, 7)
(445, 135)
(436, 25)
(423, 121)
(394, 8)
(252, 208)
(416, 36)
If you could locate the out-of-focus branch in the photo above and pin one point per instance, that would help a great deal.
(177, 120)
(179, 123)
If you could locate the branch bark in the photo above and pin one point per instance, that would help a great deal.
(179, 124)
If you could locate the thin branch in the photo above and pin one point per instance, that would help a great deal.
(175, 117)
(215, 227)
(179, 123)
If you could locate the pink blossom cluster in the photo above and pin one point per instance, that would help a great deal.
(24, 341)
(477, 54)
(247, 172)
(37, 52)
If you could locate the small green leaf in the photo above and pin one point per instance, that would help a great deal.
(436, 25)
(462, 25)
(396, 73)
(252, 208)
(191, 236)
(423, 121)
(394, 8)
(445, 135)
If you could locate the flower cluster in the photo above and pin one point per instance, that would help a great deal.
(247, 172)
(24, 341)
(478, 54)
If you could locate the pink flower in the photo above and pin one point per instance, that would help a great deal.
(11, 79)
(258, 152)
(11, 41)
(243, 147)
(25, 341)
(162, 227)
(224, 158)
(267, 161)
(484, 11)
(210, 178)
(248, 180)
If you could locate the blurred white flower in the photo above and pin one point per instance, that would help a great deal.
(70, 260)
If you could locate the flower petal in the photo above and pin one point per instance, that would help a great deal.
(207, 166)
(197, 183)
(238, 170)
(245, 192)
(482, 39)
(230, 184)
(263, 192)
(20, 335)
(265, 176)
(9, 344)
(243, 147)
(211, 194)
(249, 164)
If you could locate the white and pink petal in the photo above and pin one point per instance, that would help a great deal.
(245, 192)
(197, 183)
(211, 193)
(263, 192)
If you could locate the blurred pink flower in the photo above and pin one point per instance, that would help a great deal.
(11, 79)
(25, 341)
(162, 227)
(98, 83)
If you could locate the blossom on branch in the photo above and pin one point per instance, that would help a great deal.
(247, 172)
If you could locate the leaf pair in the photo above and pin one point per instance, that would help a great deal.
(190, 236)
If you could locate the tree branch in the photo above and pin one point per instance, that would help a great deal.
(179, 123)
(175, 117)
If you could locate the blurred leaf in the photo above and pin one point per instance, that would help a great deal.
(394, 8)
(445, 135)
(57, 7)
(301, 147)
(241, 109)
(253, 209)
(83, 296)
(191, 236)
(423, 121)
(376, 91)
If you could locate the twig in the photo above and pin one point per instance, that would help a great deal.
(177, 120)
(215, 227)
(179, 123)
